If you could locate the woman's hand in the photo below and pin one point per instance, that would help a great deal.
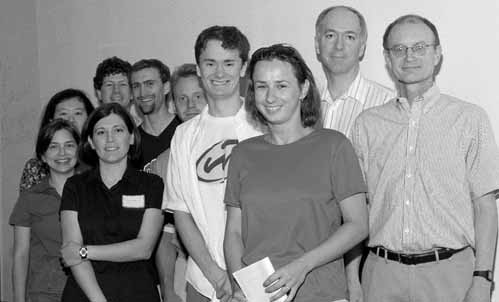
(286, 280)
(70, 252)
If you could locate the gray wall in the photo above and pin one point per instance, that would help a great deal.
(19, 112)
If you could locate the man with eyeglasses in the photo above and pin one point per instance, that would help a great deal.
(432, 168)
(340, 43)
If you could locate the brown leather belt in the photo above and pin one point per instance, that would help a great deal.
(415, 259)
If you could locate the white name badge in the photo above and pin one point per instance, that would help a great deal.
(133, 201)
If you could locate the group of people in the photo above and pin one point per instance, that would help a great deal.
(404, 180)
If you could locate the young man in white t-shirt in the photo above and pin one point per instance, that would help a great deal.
(200, 152)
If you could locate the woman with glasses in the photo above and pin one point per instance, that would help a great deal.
(295, 194)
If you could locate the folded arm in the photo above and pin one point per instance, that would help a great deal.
(83, 272)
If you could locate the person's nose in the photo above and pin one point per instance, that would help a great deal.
(271, 95)
(61, 151)
(220, 70)
(191, 103)
(116, 88)
(339, 43)
(109, 137)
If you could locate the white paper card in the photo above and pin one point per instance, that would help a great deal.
(251, 278)
(133, 201)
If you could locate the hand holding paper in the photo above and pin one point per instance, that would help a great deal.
(251, 279)
(286, 280)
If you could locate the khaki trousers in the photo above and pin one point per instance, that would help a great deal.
(446, 280)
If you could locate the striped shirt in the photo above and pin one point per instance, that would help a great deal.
(340, 114)
(424, 165)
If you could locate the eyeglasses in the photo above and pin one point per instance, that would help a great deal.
(418, 49)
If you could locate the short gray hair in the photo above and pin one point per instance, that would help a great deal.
(362, 20)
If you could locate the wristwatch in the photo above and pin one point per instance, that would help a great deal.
(83, 252)
(487, 275)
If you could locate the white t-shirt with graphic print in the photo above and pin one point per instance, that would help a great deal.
(212, 153)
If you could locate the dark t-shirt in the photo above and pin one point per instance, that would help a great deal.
(151, 146)
(289, 197)
(38, 209)
(112, 215)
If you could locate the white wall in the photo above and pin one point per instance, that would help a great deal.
(19, 111)
(76, 35)
(73, 36)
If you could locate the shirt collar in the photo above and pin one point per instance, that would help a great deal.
(205, 114)
(242, 117)
(428, 99)
(129, 176)
(350, 94)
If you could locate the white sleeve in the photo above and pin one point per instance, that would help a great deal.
(174, 197)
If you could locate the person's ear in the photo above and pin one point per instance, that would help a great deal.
(242, 73)
(362, 50)
(437, 55)
(98, 95)
(316, 44)
(170, 104)
(91, 143)
(166, 88)
(388, 60)
(132, 139)
(304, 89)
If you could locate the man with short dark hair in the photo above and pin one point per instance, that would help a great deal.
(340, 44)
(150, 84)
(200, 152)
(112, 84)
(432, 169)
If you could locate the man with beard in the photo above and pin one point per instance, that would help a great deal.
(340, 43)
(150, 84)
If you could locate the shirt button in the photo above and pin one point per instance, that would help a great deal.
(409, 175)
(407, 202)
(411, 148)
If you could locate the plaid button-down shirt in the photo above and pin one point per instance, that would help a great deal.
(424, 164)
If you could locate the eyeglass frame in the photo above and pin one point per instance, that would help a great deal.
(405, 49)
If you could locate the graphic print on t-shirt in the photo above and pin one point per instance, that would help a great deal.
(211, 166)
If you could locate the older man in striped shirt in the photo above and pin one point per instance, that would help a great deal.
(432, 168)
(340, 42)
